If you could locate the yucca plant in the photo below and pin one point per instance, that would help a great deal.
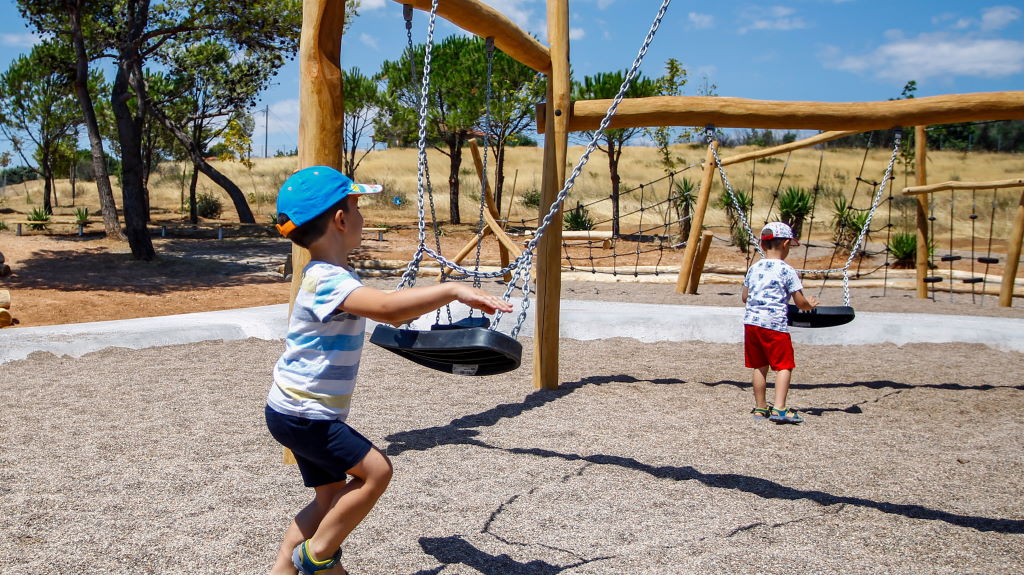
(847, 223)
(685, 195)
(82, 216)
(736, 229)
(794, 206)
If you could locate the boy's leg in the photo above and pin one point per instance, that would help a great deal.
(304, 526)
(782, 378)
(760, 382)
(351, 504)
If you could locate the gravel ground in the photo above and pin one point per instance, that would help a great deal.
(644, 461)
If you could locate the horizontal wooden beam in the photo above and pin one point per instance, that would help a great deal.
(946, 186)
(766, 114)
(486, 22)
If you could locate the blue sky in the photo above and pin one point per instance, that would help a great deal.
(823, 50)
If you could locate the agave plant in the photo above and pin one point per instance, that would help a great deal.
(794, 206)
(38, 214)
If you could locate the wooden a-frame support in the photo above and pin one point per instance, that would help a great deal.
(321, 108)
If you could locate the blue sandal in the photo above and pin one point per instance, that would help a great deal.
(305, 563)
(787, 415)
(761, 413)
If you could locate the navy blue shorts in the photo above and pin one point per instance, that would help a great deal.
(324, 449)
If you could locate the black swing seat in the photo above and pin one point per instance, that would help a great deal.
(821, 316)
(453, 348)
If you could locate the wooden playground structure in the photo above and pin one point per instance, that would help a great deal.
(322, 108)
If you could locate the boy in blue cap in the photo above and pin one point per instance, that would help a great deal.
(767, 287)
(314, 379)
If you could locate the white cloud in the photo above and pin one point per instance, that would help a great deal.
(602, 4)
(935, 56)
(19, 40)
(700, 21)
(771, 18)
(369, 40)
(368, 5)
(577, 33)
(998, 17)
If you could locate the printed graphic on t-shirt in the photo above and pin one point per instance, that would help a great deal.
(770, 283)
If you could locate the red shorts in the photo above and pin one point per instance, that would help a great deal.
(763, 347)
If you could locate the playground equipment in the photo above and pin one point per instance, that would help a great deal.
(320, 124)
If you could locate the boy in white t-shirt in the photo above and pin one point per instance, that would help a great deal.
(767, 287)
(314, 379)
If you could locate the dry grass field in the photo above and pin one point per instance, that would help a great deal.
(835, 171)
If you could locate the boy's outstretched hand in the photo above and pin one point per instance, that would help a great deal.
(480, 300)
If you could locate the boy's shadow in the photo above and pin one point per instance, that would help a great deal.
(454, 550)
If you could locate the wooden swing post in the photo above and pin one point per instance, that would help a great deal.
(549, 256)
(921, 177)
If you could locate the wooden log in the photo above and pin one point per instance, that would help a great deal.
(946, 186)
(5, 299)
(486, 22)
(5, 270)
(2, 260)
(745, 113)
(549, 256)
(698, 264)
(6, 318)
(782, 149)
(921, 177)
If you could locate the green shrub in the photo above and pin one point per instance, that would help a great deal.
(208, 206)
(82, 215)
(578, 219)
(3, 226)
(531, 199)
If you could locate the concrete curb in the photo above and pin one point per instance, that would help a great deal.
(583, 320)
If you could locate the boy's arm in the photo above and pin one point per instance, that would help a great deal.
(803, 302)
(746, 293)
(403, 305)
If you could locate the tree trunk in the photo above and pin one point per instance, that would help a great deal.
(111, 225)
(129, 134)
(613, 169)
(455, 157)
(499, 173)
(237, 195)
(193, 214)
(234, 192)
(47, 189)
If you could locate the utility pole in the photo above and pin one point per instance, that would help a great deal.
(266, 129)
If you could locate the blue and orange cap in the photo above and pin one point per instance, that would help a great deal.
(311, 191)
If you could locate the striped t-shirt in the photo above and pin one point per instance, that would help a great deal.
(316, 375)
